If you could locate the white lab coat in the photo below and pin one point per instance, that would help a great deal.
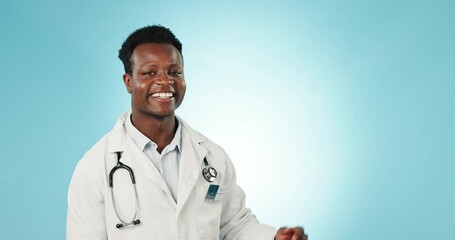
(91, 215)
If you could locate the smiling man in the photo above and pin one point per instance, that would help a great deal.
(152, 176)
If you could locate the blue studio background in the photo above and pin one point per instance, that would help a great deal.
(338, 115)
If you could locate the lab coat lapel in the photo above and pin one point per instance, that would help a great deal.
(190, 166)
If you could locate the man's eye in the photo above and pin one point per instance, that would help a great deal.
(175, 73)
(151, 73)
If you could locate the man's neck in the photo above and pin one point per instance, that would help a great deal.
(160, 130)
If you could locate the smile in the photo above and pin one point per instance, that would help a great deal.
(163, 95)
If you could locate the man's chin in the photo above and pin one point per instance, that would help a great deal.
(162, 115)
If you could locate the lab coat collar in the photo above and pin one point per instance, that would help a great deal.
(117, 141)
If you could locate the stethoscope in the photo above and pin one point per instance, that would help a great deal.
(208, 172)
(120, 165)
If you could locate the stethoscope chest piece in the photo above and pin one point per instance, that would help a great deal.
(208, 172)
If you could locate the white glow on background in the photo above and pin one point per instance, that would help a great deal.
(337, 115)
(269, 109)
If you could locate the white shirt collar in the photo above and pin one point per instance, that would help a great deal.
(141, 140)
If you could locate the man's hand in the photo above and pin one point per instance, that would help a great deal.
(296, 233)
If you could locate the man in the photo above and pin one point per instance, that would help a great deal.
(153, 176)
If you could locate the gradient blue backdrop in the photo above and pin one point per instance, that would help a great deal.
(339, 115)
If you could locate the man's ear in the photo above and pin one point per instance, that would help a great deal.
(127, 82)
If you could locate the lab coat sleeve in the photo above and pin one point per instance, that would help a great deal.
(85, 214)
(237, 221)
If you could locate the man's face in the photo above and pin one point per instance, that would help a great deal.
(157, 84)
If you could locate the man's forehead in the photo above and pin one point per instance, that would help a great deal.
(155, 50)
(154, 47)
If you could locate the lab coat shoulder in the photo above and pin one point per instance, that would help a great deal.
(87, 191)
(92, 165)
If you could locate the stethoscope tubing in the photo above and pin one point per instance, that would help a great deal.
(133, 220)
(120, 165)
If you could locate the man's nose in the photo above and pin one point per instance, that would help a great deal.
(164, 79)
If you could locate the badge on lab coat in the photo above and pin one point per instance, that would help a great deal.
(214, 194)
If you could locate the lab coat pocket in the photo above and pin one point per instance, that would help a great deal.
(209, 215)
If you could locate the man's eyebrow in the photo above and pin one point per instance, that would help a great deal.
(155, 65)
(149, 65)
(175, 65)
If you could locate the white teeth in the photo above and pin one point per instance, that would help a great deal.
(162, 95)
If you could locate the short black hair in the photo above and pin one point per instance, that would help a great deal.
(147, 34)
